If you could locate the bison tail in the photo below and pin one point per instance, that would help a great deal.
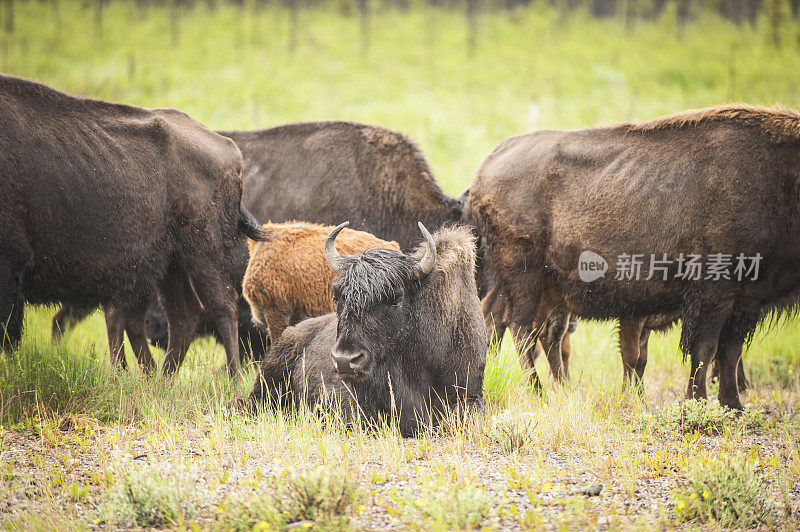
(250, 226)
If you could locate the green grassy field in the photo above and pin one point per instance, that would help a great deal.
(82, 446)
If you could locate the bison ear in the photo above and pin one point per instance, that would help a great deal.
(331, 255)
(428, 260)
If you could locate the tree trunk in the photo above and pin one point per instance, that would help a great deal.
(363, 13)
(294, 22)
(604, 8)
(472, 27)
(174, 22)
(98, 18)
(9, 16)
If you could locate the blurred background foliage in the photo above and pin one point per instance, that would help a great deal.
(456, 75)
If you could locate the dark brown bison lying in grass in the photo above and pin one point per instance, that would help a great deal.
(104, 204)
(287, 278)
(719, 183)
(407, 337)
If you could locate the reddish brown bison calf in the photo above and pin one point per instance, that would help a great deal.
(288, 280)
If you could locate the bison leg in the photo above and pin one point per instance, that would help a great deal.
(533, 352)
(115, 328)
(495, 313)
(729, 355)
(643, 341)
(528, 349)
(566, 348)
(700, 337)
(221, 301)
(66, 318)
(253, 341)
(741, 378)
(556, 326)
(183, 314)
(12, 306)
(546, 308)
(630, 333)
(566, 351)
(135, 327)
(156, 327)
(16, 255)
(277, 315)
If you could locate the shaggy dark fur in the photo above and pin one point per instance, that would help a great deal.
(720, 180)
(287, 278)
(103, 204)
(327, 172)
(422, 342)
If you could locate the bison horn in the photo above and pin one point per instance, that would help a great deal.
(426, 263)
(331, 255)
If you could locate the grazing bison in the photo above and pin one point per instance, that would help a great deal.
(287, 279)
(407, 336)
(716, 186)
(103, 204)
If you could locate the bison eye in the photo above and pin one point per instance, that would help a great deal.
(397, 300)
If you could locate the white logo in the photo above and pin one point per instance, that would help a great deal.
(591, 266)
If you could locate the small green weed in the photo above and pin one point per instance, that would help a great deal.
(321, 494)
(246, 512)
(699, 415)
(145, 498)
(511, 433)
(456, 507)
(726, 493)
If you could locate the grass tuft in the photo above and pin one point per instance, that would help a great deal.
(699, 415)
(512, 434)
(727, 493)
(320, 494)
(240, 512)
(145, 498)
(458, 507)
(45, 381)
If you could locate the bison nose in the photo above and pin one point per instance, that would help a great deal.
(347, 363)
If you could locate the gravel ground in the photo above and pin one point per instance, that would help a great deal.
(60, 474)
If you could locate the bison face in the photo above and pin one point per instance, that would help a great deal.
(374, 293)
(364, 336)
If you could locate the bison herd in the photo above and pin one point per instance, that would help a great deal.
(154, 218)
